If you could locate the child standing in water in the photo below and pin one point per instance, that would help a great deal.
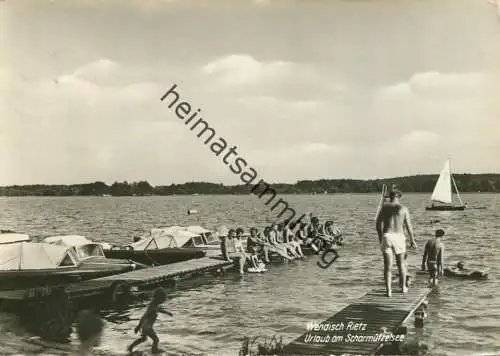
(148, 319)
(434, 257)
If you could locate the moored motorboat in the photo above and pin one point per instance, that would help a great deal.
(8, 237)
(157, 247)
(25, 265)
(90, 256)
(195, 237)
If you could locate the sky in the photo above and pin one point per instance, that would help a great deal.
(304, 89)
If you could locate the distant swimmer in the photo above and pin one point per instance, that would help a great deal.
(392, 221)
(434, 257)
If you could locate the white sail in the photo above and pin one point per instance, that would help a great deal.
(442, 189)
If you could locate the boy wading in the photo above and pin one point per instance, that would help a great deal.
(392, 221)
(433, 257)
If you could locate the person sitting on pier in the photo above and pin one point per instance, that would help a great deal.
(89, 329)
(434, 257)
(314, 232)
(301, 234)
(274, 246)
(254, 249)
(392, 220)
(266, 237)
(280, 238)
(333, 233)
(256, 246)
(235, 250)
(147, 321)
(292, 240)
(251, 256)
(313, 229)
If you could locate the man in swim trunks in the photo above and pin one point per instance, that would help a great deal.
(434, 257)
(392, 221)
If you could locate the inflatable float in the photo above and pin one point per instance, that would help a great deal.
(459, 271)
(465, 273)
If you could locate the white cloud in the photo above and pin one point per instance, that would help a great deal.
(270, 103)
(240, 69)
(435, 85)
(420, 137)
(78, 127)
(104, 121)
(322, 148)
(437, 115)
(98, 71)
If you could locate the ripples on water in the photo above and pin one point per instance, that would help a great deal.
(212, 315)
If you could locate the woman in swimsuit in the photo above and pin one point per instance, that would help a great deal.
(314, 232)
(283, 240)
(301, 234)
(256, 246)
(235, 249)
(292, 240)
(274, 245)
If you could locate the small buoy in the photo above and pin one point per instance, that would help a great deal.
(192, 211)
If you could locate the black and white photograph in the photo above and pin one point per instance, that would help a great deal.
(249, 177)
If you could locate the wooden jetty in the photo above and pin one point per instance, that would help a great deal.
(361, 328)
(49, 311)
(139, 278)
(148, 276)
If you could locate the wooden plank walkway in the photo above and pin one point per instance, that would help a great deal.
(158, 273)
(147, 276)
(368, 317)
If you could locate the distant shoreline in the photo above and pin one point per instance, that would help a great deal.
(466, 183)
(216, 194)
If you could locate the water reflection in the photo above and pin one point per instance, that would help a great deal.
(214, 314)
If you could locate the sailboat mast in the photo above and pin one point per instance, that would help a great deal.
(455, 185)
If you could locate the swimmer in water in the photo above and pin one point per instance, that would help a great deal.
(434, 257)
(148, 319)
(89, 329)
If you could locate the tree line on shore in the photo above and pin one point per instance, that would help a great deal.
(416, 184)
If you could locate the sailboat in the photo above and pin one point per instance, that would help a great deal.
(442, 197)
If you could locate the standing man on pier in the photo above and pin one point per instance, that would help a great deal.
(392, 221)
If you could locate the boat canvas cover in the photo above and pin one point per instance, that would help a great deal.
(197, 230)
(442, 190)
(158, 238)
(184, 237)
(8, 238)
(33, 256)
(68, 240)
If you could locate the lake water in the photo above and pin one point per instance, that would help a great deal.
(215, 314)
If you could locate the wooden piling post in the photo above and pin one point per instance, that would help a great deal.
(420, 315)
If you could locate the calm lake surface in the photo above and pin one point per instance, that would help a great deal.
(215, 314)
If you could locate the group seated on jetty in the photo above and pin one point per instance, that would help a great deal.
(287, 241)
(252, 249)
